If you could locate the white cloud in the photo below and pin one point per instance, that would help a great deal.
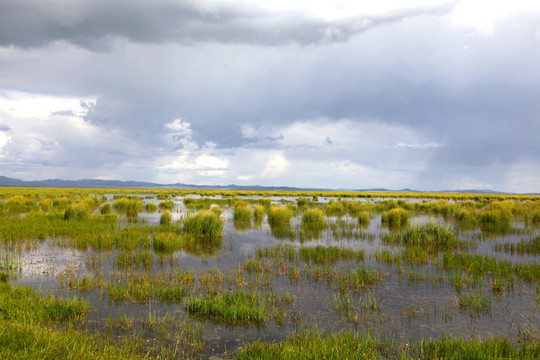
(276, 164)
(417, 146)
(482, 15)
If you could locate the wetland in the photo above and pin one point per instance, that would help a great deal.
(177, 274)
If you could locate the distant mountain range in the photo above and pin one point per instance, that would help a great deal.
(117, 184)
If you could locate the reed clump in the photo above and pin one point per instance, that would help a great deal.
(496, 220)
(233, 307)
(242, 213)
(150, 207)
(278, 215)
(364, 218)
(395, 218)
(76, 212)
(165, 219)
(204, 224)
(313, 219)
(429, 235)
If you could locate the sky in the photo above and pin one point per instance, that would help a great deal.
(423, 94)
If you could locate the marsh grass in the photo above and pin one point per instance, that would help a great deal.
(166, 204)
(474, 301)
(204, 224)
(25, 305)
(395, 218)
(335, 208)
(357, 279)
(21, 341)
(496, 220)
(531, 247)
(331, 254)
(279, 216)
(150, 207)
(313, 220)
(364, 218)
(480, 265)
(430, 236)
(76, 212)
(233, 307)
(165, 218)
(130, 206)
(105, 209)
(314, 345)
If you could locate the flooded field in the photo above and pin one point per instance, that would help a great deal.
(178, 275)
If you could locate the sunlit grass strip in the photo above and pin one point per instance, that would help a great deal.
(21, 341)
(314, 345)
(235, 307)
(430, 236)
(25, 305)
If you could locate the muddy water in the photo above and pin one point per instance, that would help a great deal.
(406, 310)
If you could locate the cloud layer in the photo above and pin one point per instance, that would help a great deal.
(431, 95)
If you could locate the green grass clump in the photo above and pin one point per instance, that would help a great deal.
(105, 209)
(474, 301)
(358, 279)
(314, 346)
(467, 218)
(204, 224)
(4, 277)
(167, 242)
(76, 212)
(430, 236)
(242, 213)
(25, 305)
(235, 307)
(301, 202)
(523, 247)
(313, 219)
(496, 220)
(130, 206)
(335, 208)
(364, 218)
(22, 341)
(395, 218)
(278, 215)
(165, 219)
(150, 207)
(258, 213)
(166, 205)
(454, 348)
(331, 254)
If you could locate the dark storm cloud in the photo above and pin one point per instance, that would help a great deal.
(92, 23)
